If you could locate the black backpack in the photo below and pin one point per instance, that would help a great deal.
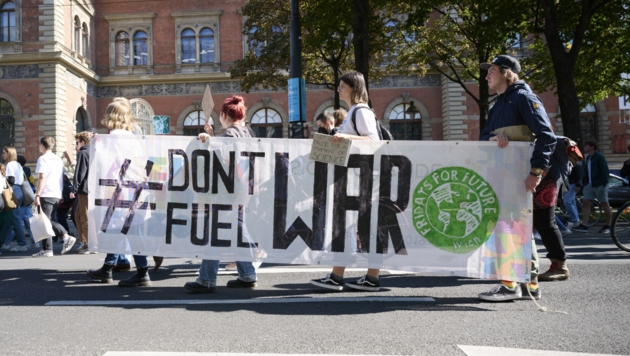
(383, 133)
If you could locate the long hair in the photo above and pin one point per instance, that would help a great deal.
(234, 108)
(510, 76)
(11, 154)
(128, 103)
(356, 81)
(3, 171)
(118, 116)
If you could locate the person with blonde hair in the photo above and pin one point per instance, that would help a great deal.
(353, 91)
(137, 127)
(13, 220)
(119, 120)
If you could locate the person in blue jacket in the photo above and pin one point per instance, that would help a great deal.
(518, 115)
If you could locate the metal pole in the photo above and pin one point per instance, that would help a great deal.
(297, 128)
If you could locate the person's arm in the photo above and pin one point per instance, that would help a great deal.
(533, 113)
(486, 134)
(80, 174)
(40, 186)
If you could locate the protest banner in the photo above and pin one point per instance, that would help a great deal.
(456, 208)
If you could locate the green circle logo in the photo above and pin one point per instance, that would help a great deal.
(455, 209)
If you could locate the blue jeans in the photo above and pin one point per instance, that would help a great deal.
(114, 258)
(569, 204)
(210, 268)
(13, 221)
(561, 226)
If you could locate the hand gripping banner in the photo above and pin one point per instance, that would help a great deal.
(455, 208)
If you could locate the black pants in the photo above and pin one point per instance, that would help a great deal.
(545, 223)
(49, 207)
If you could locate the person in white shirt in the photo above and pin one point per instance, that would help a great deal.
(48, 195)
(13, 219)
(353, 91)
(3, 182)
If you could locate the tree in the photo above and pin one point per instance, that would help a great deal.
(584, 54)
(327, 44)
(452, 37)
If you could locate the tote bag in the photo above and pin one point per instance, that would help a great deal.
(10, 200)
(27, 191)
(40, 225)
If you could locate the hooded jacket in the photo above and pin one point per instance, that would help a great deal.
(80, 180)
(519, 114)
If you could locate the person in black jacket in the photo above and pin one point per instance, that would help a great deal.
(625, 170)
(80, 188)
(518, 115)
(568, 197)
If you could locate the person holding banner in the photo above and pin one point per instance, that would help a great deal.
(353, 91)
(232, 118)
(518, 115)
(120, 121)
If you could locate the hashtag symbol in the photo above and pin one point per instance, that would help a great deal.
(134, 205)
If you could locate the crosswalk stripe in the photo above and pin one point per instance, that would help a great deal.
(238, 301)
(151, 353)
(504, 351)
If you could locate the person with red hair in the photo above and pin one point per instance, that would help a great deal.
(232, 119)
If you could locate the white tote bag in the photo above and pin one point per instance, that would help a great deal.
(40, 225)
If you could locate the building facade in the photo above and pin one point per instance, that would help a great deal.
(63, 61)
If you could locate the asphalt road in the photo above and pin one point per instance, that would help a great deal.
(589, 313)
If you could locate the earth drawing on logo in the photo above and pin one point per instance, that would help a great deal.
(455, 209)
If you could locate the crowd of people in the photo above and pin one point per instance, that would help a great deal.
(517, 115)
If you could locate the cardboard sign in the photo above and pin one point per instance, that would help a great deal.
(207, 104)
(324, 150)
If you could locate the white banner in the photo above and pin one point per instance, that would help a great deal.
(457, 208)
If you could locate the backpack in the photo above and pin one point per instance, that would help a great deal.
(565, 156)
(383, 133)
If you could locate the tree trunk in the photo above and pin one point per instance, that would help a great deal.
(361, 39)
(335, 69)
(483, 103)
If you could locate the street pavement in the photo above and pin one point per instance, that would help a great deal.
(48, 306)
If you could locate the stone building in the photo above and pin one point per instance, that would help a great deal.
(63, 61)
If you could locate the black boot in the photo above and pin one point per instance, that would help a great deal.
(103, 274)
(139, 279)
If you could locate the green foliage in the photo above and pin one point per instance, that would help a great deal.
(327, 49)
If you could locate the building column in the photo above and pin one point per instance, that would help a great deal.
(51, 32)
(52, 104)
(453, 111)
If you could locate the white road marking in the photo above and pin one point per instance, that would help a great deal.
(504, 351)
(151, 353)
(237, 301)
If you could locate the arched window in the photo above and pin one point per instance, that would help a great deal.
(140, 53)
(206, 48)
(85, 44)
(405, 125)
(7, 22)
(188, 46)
(77, 34)
(80, 119)
(122, 49)
(7, 124)
(194, 123)
(143, 112)
(267, 123)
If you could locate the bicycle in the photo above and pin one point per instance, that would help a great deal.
(594, 217)
(620, 228)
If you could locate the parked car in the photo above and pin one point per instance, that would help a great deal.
(619, 190)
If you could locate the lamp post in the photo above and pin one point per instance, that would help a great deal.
(296, 83)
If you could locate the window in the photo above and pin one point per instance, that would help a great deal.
(80, 118)
(188, 46)
(77, 34)
(7, 124)
(122, 49)
(86, 39)
(206, 48)
(252, 44)
(143, 112)
(267, 123)
(194, 123)
(404, 125)
(140, 53)
(7, 22)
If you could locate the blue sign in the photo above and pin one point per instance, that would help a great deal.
(297, 100)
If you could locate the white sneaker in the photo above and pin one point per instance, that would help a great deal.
(43, 253)
(6, 246)
(566, 232)
(68, 242)
(18, 248)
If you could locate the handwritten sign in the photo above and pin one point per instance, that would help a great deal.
(207, 104)
(324, 150)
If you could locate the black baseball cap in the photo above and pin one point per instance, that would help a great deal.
(503, 61)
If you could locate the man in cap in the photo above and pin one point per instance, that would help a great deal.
(517, 115)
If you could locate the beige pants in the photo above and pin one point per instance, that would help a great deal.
(81, 217)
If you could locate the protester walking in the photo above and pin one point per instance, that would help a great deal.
(568, 198)
(80, 189)
(353, 91)
(13, 220)
(48, 195)
(232, 118)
